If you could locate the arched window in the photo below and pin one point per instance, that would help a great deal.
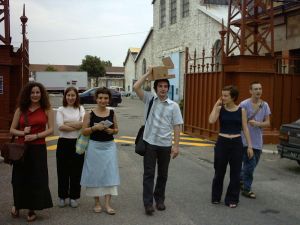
(185, 8)
(218, 52)
(162, 12)
(144, 66)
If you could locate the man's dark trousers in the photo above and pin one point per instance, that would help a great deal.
(161, 155)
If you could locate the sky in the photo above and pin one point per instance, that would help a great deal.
(63, 32)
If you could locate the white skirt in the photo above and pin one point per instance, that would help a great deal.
(101, 191)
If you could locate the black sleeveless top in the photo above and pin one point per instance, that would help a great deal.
(230, 122)
(101, 135)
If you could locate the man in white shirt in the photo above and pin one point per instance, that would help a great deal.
(164, 117)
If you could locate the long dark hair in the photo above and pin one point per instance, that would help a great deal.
(76, 103)
(25, 100)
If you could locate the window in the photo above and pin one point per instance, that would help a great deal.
(144, 67)
(162, 13)
(173, 9)
(1, 85)
(218, 52)
(185, 8)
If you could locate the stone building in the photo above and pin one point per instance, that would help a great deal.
(178, 24)
(129, 70)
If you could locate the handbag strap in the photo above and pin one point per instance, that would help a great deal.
(25, 124)
(256, 111)
(150, 105)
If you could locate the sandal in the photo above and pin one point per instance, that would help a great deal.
(14, 212)
(31, 216)
(97, 209)
(249, 194)
(110, 211)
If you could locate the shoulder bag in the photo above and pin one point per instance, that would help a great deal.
(140, 145)
(14, 152)
(82, 142)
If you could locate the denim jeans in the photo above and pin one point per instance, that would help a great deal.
(248, 168)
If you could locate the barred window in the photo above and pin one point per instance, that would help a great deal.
(162, 13)
(185, 9)
(173, 9)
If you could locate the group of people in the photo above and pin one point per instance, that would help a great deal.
(241, 150)
(239, 144)
(97, 170)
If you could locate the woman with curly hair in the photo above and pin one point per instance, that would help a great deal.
(32, 122)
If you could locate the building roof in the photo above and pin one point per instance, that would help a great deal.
(133, 52)
(217, 12)
(144, 44)
(115, 70)
(65, 68)
(43, 67)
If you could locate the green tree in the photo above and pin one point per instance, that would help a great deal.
(50, 68)
(94, 66)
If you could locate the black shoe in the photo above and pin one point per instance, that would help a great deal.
(149, 210)
(160, 206)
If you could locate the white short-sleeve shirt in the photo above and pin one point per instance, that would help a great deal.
(68, 113)
(162, 117)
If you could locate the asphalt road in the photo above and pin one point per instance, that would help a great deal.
(277, 186)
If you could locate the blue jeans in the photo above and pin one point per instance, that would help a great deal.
(248, 168)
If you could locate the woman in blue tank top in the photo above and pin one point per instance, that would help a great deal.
(229, 146)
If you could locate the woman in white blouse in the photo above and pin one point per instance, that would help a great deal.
(69, 164)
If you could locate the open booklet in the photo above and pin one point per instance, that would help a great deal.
(106, 123)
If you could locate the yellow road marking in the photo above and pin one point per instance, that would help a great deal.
(127, 137)
(51, 147)
(195, 144)
(123, 141)
(191, 139)
(51, 138)
(181, 138)
(119, 140)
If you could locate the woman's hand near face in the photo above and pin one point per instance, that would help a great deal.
(219, 102)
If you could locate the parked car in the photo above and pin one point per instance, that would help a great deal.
(289, 146)
(121, 90)
(87, 97)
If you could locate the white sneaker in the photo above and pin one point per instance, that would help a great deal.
(61, 203)
(73, 203)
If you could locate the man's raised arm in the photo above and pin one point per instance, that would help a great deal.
(137, 87)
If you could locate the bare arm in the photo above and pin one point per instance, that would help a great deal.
(175, 147)
(114, 130)
(137, 87)
(74, 124)
(86, 129)
(265, 123)
(45, 133)
(247, 134)
(214, 115)
(66, 128)
(15, 123)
